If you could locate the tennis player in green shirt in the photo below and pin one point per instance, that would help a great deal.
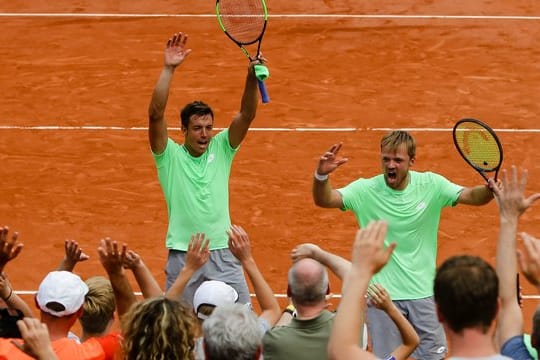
(411, 203)
(194, 176)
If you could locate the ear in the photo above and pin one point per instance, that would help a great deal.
(184, 129)
(411, 162)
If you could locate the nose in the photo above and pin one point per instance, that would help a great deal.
(204, 132)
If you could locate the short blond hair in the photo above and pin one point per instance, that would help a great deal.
(394, 139)
(99, 305)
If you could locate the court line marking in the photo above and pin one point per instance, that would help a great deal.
(260, 129)
(292, 16)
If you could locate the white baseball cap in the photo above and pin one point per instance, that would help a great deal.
(64, 288)
(214, 293)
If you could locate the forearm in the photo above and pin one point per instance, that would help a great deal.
(265, 296)
(506, 261)
(123, 292)
(248, 105)
(66, 265)
(177, 288)
(479, 195)
(14, 301)
(160, 94)
(409, 337)
(147, 282)
(350, 315)
(322, 192)
(338, 265)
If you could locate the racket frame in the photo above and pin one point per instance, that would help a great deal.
(241, 45)
(492, 133)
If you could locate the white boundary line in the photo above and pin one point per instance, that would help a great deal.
(261, 129)
(291, 16)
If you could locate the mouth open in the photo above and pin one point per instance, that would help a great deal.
(391, 175)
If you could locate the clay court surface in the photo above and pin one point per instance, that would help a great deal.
(75, 161)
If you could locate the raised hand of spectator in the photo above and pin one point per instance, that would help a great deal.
(37, 342)
(379, 297)
(9, 248)
(132, 260)
(529, 259)
(306, 250)
(73, 255)
(111, 255)
(369, 253)
(239, 243)
(509, 194)
(198, 251)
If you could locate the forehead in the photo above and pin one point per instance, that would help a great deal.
(400, 151)
(201, 120)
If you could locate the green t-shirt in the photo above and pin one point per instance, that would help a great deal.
(413, 220)
(196, 190)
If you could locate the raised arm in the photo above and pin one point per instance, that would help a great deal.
(410, 339)
(511, 202)
(73, 255)
(12, 300)
(248, 108)
(529, 259)
(9, 248)
(197, 255)
(147, 282)
(369, 256)
(240, 246)
(477, 195)
(111, 257)
(323, 194)
(338, 265)
(175, 53)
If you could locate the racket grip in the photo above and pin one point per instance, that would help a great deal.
(264, 94)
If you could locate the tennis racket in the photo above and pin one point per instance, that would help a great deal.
(244, 22)
(479, 146)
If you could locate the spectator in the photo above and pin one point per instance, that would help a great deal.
(232, 332)
(512, 204)
(159, 328)
(467, 297)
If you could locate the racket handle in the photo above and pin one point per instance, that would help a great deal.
(264, 94)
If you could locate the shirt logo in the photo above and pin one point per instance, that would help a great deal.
(421, 206)
(211, 158)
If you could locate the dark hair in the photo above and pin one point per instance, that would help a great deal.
(395, 138)
(466, 292)
(194, 108)
(8, 323)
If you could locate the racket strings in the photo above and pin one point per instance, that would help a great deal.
(243, 20)
(478, 146)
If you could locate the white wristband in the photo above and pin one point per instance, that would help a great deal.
(320, 177)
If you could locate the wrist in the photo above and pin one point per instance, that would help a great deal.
(6, 298)
(290, 309)
(320, 177)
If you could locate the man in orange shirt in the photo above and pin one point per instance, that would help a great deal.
(60, 299)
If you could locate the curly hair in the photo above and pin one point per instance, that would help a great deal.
(157, 329)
